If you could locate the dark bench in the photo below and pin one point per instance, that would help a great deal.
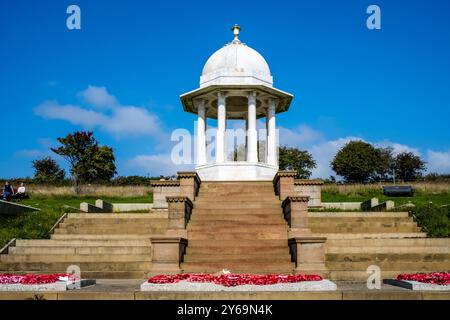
(398, 191)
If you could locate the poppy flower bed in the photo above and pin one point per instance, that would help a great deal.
(34, 279)
(438, 278)
(232, 280)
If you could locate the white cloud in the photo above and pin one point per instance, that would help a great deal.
(398, 147)
(438, 162)
(115, 118)
(157, 164)
(300, 136)
(98, 97)
(31, 153)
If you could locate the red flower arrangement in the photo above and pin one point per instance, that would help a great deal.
(441, 278)
(232, 280)
(7, 278)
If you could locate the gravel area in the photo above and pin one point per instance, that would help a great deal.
(323, 285)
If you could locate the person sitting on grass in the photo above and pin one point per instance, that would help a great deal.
(8, 191)
(21, 192)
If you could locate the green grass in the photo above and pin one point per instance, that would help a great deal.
(36, 225)
(419, 198)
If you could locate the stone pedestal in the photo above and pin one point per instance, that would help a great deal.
(284, 184)
(189, 184)
(180, 210)
(295, 211)
(167, 254)
(308, 253)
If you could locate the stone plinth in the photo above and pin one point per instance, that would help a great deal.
(308, 253)
(237, 171)
(163, 189)
(284, 184)
(295, 211)
(189, 184)
(180, 210)
(167, 254)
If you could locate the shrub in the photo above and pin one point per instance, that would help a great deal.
(434, 219)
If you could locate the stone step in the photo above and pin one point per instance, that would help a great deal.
(155, 215)
(111, 231)
(230, 204)
(389, 265)
(237, 228)
(48, 266)
(387, 257)
(237, 223)
(214, 249)
(237, 258)
(213, 243)
(367, 229)
(100, 236)
(256, 218)
(82, 243)
(250, 212)
(81, 250)
(251, 268)
(75, 259)
(352, 214)
(237, 196)
(114, 222)
(142, 274)
(362, 275)
(387, 249)
(384, 235)
(195, 235)
(336, 220)
(385, 243)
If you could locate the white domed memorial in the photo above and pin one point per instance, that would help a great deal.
(236, 84)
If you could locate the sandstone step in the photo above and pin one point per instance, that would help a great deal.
(193, 243)
(142, 274)
(368, 230)
(335, 220)
(385, 243)
(387, 257)
(352, 214)
(48, 266)
(82, 243)
(214, 249)
(114, 222)
(81, 250)
(99, 236)
(237, 223)
(387, 249)
(75, 259)
(362, 275)
(236, 205)
(384, 235)
(110, 231)
(390, 265)
(237, 258)
(237, 228)
(250, 212)
(257, 218)
(155, 215)
(194, 235)
(251, 268)
(346, 224)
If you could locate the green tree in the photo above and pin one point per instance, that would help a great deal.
(88, 161)
(46, 170)
(386, 163)
(357, 161)
(298, 160)
(408, 166)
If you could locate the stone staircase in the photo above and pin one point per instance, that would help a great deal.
(102, 245)
(238, 226)
(389, 240)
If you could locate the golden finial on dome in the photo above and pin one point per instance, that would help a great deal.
(236, 29)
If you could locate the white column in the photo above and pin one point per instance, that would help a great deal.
(252, 142)
(201, 132)
(271, 134)
(221, 119)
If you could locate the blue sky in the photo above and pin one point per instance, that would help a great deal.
(121, 74)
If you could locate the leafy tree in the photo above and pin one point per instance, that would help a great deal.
(88, 161)
(298, 160)
(386, 163)
(46, 170)
(408, 166)
(357, 161)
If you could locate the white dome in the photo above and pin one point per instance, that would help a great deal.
(236, 57)
(236, 64)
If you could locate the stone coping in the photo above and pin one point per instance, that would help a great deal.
(165, 183)
(308, 182)
(186, 286)
(294, 199)
(189, 174)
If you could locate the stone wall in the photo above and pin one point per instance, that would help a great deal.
(163, 189)
(310, 188)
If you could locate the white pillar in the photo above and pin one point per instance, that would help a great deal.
(221, 119)
(252, 142)
(201, 131)
(271, 134)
